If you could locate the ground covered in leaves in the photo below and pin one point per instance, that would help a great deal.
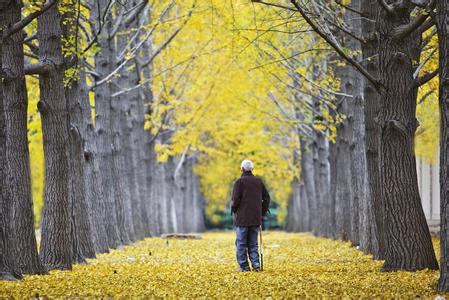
(296, 265)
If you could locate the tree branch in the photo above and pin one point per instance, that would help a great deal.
(165, 44)
(40, 68)
(351, 9)
(403, 31)
(27, 20)
(135, 11)
(337, 48)
(425, 78)
(274, 5)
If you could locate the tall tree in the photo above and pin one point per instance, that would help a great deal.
(18, 199)
(56, 244)
(6, 262)
(81, 230)
(408, 242)
(374, 208)
(102, 17)
(443, 38)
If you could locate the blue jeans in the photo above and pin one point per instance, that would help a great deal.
(247, 245)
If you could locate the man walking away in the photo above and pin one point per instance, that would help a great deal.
(250, 201)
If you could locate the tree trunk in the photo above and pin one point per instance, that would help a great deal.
(294, 209)
(343, 175)
(16, 170)
(359, 177)
(6, 261)
(56, 243)
(443, 38)
(333, 158)
(372, 130)
(92, 178)
(148, 214)
(103, 65)
(408, 241)
(309, 183)
(81, 231)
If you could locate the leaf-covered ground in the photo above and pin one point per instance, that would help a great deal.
(296, 265)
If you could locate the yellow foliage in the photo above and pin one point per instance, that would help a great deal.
(296, 265)
(37, 163)
(218, 100)
(427, 134)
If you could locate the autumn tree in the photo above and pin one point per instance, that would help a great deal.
(443, 38)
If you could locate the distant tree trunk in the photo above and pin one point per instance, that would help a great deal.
(16, 154)
(180, 198)
(309, 183)
(343, 174)
(153, 203)
(321, 175)
(119, 175)
(352, 86)
(443, 38)
(81, 231)
(170, 192)
(409, 245)
(92, 178)
(359, 177)
(333, 158)
(126, 194)
(197, 197)
(103, 65)
(294, 209)
(374, 209)
(148, 214)
(56, 243)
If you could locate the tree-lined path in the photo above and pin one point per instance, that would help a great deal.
(123, 120)
(297, 265)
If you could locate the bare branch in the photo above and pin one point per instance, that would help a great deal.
(339, 50)
(403, 31)
(40, 68)
(134, 12)
(425, 78)
(423, 63)
(423, 98)
(27, 20)
(274, 5)
(165, 44)
(351, 9)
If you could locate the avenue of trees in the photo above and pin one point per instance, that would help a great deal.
(363, 188)
(147, 106)
(103, 184)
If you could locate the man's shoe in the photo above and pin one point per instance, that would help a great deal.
(257, 270)
(242, 270)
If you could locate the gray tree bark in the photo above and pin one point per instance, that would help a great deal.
(17, 192)
(6, 260)
(443, 38)
(56, 244)
(343, 169)
(408, 241)
(148, 212)
(104, 62)
(92, 178)
(372, 131)
(309, 183)
(83, 246)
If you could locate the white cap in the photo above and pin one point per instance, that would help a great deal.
(247, 165)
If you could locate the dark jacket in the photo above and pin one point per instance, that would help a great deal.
(250, 200)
